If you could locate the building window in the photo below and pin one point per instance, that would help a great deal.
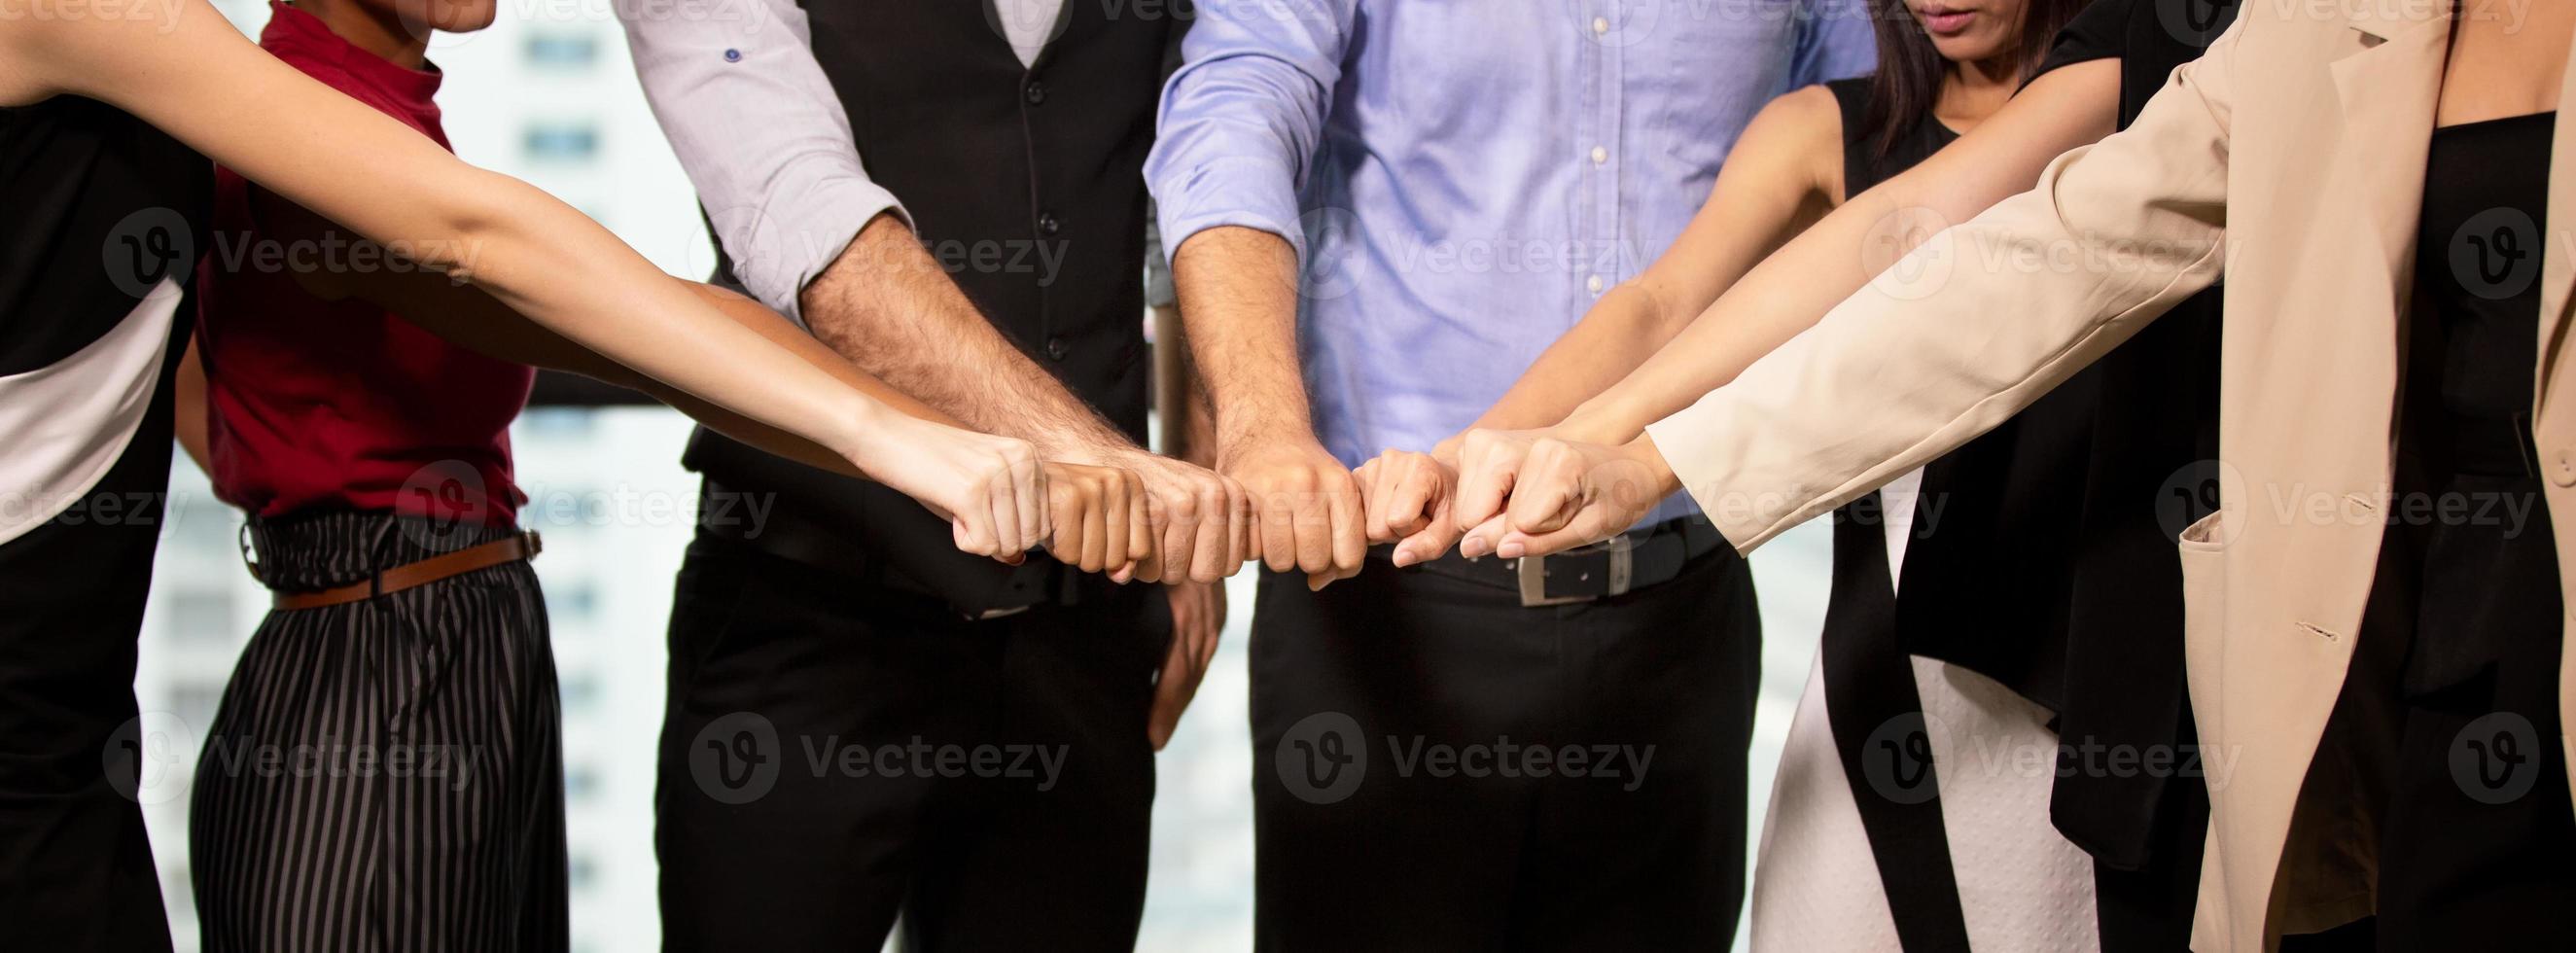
(560, 142)
(562, 51)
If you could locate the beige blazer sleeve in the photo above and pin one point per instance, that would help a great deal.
(1977, 323)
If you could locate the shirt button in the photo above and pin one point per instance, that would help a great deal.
(1600, 25)
(733, 56)
(2562, 471)
(1600, 155)
(1593, 283)
(1047, 224)
(1056, 348)
(1036, 92)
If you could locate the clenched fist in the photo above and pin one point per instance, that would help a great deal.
(991, 489)
(1409, 500)
(1529, 493)
(1099, 515)
(1309, 507)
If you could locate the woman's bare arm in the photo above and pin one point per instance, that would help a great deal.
(1793, 288)
(1785, 171)
(189, 73)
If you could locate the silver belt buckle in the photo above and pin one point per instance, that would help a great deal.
(1533, 574)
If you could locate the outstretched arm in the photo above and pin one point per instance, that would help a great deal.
(766, 142)
(1792, 289)
(1924, 358)
(193, 76)
(1741, 310)
(1784, 173)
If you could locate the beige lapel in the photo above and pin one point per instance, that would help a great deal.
(2389, 90)
(2558, 268)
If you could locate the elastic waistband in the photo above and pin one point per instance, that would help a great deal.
(332, 548)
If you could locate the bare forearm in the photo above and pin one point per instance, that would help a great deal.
(1793, 288)
(1618, 334)
(1188, 431)
(886, 306)
(1779, 298)
(1238, 293)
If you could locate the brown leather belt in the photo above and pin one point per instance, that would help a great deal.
(498, 552)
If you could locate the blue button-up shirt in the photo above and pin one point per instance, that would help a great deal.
(1463, 178)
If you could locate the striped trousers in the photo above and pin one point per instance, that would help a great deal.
(384, 775)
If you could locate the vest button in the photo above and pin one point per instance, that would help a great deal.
(1056, 348)
(1036, 92)
(1048, 225)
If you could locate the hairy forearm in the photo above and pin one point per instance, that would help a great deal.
(1238, 294)
(1188, 427)
(887, 306)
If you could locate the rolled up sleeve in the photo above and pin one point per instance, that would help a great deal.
(759, 130)
(1242, 117)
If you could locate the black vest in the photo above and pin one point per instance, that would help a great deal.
(1028, 185)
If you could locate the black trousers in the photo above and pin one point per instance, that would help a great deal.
(836, 752)
(387, 774)
(1436, 767)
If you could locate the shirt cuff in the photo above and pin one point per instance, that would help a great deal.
(1249, 191)
(797, 239)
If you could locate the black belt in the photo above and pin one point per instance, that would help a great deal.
(1631, 561)
(813, 542)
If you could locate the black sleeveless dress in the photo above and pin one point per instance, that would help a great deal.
(104, 217)
(1983, 586)
(2460, 643)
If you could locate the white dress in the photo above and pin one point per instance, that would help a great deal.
(2022, 887)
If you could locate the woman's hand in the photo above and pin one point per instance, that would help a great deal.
(992, 490)
(1101, 517)
(1532, 493)
(1409, 497)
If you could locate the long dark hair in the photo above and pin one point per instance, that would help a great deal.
(1908, 81)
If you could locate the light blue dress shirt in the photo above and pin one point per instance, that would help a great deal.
(1463, 178)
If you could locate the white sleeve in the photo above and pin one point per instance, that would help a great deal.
(760, 132)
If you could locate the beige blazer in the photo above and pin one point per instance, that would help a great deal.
(2291, 157)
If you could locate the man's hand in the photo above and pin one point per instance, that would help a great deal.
(1310, 508)
(1200, 521)
(1198, 616)
(1099, 517)
(1529, 493)
(1409, 498)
